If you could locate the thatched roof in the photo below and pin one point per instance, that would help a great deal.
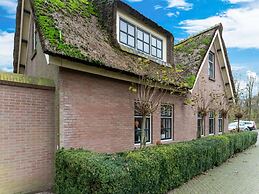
(85, 31)
(189, 53)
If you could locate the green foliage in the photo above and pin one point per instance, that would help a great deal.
(190, 80)
(193, 43)
(152, 170)
(44, 11)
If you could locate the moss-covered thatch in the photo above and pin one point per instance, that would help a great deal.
(83, 30)
(190, 53)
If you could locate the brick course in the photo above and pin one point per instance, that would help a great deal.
(27, 131)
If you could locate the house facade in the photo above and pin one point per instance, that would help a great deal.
(92, 50)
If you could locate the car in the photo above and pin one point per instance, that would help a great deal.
(250, 125)
(233, 126)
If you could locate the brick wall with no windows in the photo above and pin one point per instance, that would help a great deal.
(27, 129)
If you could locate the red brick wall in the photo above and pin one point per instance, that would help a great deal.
(216, 86)
(26, 139)
(97, 113)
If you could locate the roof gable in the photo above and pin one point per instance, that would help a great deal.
(190, 53)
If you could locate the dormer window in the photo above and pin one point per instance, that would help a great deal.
(143, 41)
(140, 40)
(156, 47)
(127, 33)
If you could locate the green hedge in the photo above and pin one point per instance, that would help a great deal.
(156, 169)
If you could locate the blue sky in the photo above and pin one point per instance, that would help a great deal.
(240, 19)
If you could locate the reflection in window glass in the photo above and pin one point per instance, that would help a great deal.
(166, 122)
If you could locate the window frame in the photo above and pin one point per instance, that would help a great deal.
(143, 41)
(212, 119)
(220, 120)
(136, 39)
(201, 118)
(156, 47)
(127, 33)
(138, 116)
(171, 118)
(213, 76)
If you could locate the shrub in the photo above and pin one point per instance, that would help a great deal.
(152, 170)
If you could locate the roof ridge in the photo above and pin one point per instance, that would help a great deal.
(199, 33)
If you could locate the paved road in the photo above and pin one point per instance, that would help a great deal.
(239, 175)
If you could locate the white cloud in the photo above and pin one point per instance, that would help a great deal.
(6, 51)
(9, 6)
(251, 74)
(180, 4)
(135, 0)
(237, 68)
(156, 7)
(241, 27)
(239, 1)
(243, 81)
(171, 14)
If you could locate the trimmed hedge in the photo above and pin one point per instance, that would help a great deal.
(156, 169)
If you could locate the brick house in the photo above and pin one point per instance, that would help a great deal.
(91, 51)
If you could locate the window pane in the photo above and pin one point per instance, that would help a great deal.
(146, 37)
(159, 44)
(159, 54)
(123, 37)
(131, 41)
(140, 34)
(140, 45)
(166, 128)
(123, 26)
(153, 50)
(138, 122)
(166, 110)
(211, 57)
(146, 48)
(153, 42)
(131, 30)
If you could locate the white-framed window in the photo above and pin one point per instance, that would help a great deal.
(143, 41)
(166, 122)
(200, 124)
(156, 47)
(220, 122)
(137, 126)
(140, 40)
(212, 65)
(127, 33)
(211, 123)
(34, 40)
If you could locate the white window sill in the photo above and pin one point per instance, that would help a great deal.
(166, 140)
(220, 133)
(136, 145)
(211, 134)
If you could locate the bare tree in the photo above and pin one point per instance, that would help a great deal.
(250, 89)
(147, 102)
(203, 102)
(238, 109)
(224, 107)
(151, 88)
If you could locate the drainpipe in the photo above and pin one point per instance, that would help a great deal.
(20, 38)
